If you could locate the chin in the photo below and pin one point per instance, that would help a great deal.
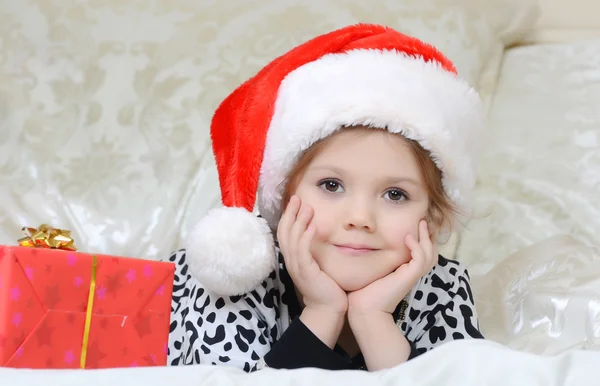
(353, 273)
(353, 287)
(351, 284)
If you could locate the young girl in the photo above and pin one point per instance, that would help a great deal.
(359, 146)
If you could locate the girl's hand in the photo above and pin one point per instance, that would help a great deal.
(385, 294)
(295, 233)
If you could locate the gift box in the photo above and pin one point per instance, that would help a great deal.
(65, 309)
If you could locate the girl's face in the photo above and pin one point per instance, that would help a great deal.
(367, 193)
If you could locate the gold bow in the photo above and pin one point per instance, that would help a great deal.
(46, 236)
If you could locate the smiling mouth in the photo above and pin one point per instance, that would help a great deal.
(354, 249)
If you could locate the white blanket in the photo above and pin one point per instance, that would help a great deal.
(460, 363)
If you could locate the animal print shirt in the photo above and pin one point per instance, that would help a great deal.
(262, 328)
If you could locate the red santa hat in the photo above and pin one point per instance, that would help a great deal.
(359, 75)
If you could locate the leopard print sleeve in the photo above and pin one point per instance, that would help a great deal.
(441, 308)
(209, 329)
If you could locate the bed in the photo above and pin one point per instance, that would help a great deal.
(479, 363)
(104, 111)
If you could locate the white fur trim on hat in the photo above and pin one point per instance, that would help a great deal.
(384, 89)
(230, 251)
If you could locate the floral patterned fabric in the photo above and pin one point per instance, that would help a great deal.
(105, 106)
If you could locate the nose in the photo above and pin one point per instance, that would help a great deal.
(360, 215)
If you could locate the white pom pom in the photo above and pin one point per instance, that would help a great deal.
(230, 251)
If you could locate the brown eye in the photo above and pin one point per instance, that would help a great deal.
(331, 186)
(395, 195)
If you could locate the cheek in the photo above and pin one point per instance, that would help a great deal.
(394, 234)
(323, 218)
(324, 226)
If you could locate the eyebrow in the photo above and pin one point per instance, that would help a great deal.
(388, 180)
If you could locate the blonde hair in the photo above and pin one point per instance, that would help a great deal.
(441, 211)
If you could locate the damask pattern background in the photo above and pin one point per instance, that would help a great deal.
(105, 106)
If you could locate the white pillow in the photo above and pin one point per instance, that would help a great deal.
(544, 299)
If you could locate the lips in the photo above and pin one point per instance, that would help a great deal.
(355, 248)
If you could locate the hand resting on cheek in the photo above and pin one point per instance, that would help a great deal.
(325, 303)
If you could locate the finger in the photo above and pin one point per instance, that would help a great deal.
(428, 242)
(411, 243)
(289, 216)
(298, 228)
(283, 232)
(286, 222)
(424, 239)
(304, 257)
(301, 224)
(421, 262)
(416, 251)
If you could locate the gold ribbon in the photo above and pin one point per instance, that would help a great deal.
(46, 236)
(88, 314)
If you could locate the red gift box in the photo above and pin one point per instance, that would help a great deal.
(44, 298)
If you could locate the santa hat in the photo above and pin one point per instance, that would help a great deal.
(359, 75)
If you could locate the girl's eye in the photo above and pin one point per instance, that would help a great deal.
(396, 195)
(331, 186)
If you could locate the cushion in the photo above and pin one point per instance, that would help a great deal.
(544, 298)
